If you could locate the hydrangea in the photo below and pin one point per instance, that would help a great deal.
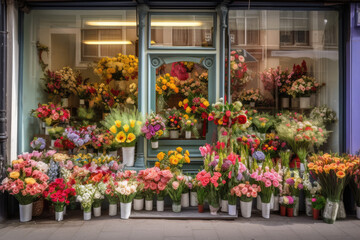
(53, 171)
(38, 143)
(259, 156)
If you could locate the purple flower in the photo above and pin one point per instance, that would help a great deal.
(290, 181)
(213, 163)
(239, 176)
(259, 156)
(157, 127)
(300, 186)
(226, 165)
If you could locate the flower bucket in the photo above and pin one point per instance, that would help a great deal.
(160, 205)
(113, 153)
(185, 200)
(357, 212)
(214, 210)
(47, 128)
(252, 104)
(224, 205)
(341, 212)
(258, 203)
(285, 102)
(232, 210)
(87, 216)
(276, 203)
(112, 209)
(174, 134)
(155, 144)
(290, 212)
(193, 199)
(97, 211)
(330, 211)
(138, 204)
(272, 202)
(52, 143)
(282, 210)
(315, 213)
(59, 216)
(25, 212)
(308, 207)
(295, 102)
(125, 210)
(297, 206)
(176, 207)
(128, 155)
(65, 102)
(265, 210)
(305, 102)
(188, 134)
(246, 208)
(149, 205)
(200, 208)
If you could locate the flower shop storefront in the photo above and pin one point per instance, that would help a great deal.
(139, 103)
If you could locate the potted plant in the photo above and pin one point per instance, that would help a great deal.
(175, 189)
(189, 126)
(165, 176)
(174, 123)
(166, 86)
(153, 129)
(288, 202)
(318, 203)
(126, 127)
(173, 160)
(139, 200)
(303, 88)
(55, 133)
(38, 144)
(311, 189)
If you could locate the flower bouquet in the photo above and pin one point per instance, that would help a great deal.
(85, 195)
(111, 197)
(26, 183)
(251, 97)
(104, 141)
(166, 85)
(126, 191)
(86, 92)
(263, 122)
(38, 143)
(238, 69)
(175, 189)
(153, 129)
(189, 126)
(126, 127)
(51, 114)
(59, 194)
(195, 105)
(202, 191)
(55, 133)
(192, 87)
(303, 88)
(79, 137)
(118, 68)
(324, 114)
(173, 123)
(246, 192)
(292, 186)
(287, 202)
(173, 160)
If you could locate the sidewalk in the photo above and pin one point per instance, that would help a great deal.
(108, 228)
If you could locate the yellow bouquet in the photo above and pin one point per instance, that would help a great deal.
(173, 160)
(166, 85)
(121, 67)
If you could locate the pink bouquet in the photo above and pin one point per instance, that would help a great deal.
(246, 191)
(51, 114)
(268, 180)
(154, 181)
(25, 182)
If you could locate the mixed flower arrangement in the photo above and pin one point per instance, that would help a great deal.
(303, 87)
(154, 127)
(51, 114)
(251, 95)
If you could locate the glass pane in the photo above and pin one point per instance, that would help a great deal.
(182, 90)
(182, 30)
(262, 71)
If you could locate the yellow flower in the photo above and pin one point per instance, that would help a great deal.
(164, 87)
(340, 174)
(186, 101)
(186, 116)
(139, 123)
(163, 81)
(188, 110)
(126, 128)
(187, 159)
(120, 137)
(179, 156)
(14, 175)
(160, 132)
(220, 121)
(132, 123)
(179, 149)
(157, 164)
(187, 153)
(118, 123)
(180, 104)
(160, 156)
(113, 129)
(30, 180)
(131, 137)
(206, 103)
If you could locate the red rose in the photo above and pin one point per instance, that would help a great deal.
(242, 119)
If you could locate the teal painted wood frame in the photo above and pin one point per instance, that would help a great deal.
(209, 62)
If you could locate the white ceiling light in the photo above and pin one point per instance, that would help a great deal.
(107, 42)
(154, 24)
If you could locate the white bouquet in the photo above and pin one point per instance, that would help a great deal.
(85, 195)
(126, 190)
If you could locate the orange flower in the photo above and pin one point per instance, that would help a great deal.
(340, 174)
(320, 169)
(157, 164)
(310, 166)
(327, 169)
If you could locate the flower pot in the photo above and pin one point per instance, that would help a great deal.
(297, 206)
(330, 211)
(149, 205)
(176, 207)
(246, 208)
(214, 210)
(59, 216)
(258, 203)
(272, 202)
(125, 210)
(174, 134)
(188, 134)
(25, 212)
(265, 210)
(113, 153)
(232, 210)
(47, 130)
(295, 102)
(112, 209)
(357, 212)
(128, 155)
(252, 104)
(65, 102)
(224, 206)
(282, 210)
(52, 143)
(308, 207)
(160, 205)
(341, 212)
(155, 145)
(200, 208)
(315, 213)
(290, 212)
(276, 203)
(81, 102)
(97, 211)
(305, 102)
(193, 199)
(185, 200)
(285, 102)
(87, 216)
(138, 204)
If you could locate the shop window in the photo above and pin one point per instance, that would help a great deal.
(248, 30)
(294, 28)
(182, 30)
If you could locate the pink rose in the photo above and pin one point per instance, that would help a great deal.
(175, 185)
(276, 183)
(267, 183)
